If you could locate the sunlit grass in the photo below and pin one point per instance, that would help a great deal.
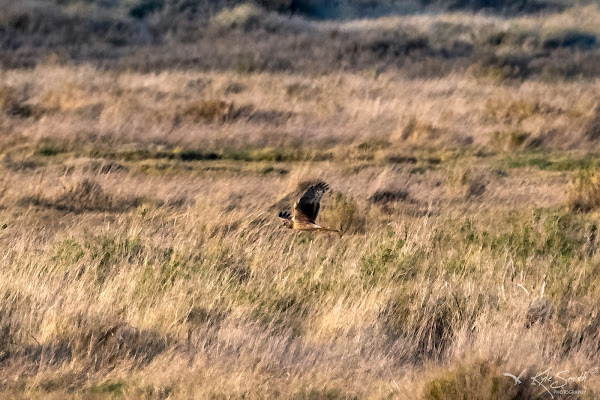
(142, 256)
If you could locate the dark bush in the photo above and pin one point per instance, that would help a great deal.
(502, 6)
(50, 27)
(402, 159)
(575, 39)
(277, 5)
(388, 196)
(510, 66)
(229, 29)
(146, 7)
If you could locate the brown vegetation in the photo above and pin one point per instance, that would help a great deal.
(147, 146)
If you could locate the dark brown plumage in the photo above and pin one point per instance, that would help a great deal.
(305, 211)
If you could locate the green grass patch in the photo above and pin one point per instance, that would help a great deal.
(111, 389)
(546, 162)
(50, 149)
(323, 394)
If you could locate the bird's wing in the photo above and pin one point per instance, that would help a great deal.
(285, 215)
(307, 208)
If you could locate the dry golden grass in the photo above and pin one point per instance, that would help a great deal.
(141, 255)
(81, 104)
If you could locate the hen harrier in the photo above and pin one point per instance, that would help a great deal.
(305, 211)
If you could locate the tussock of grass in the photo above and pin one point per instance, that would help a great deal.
(466, 181)
(417, 131)
(209, 110)
(345, 211)
(509, 141)
(479, 380)
(12, 105)
(584, 191)
(516, 110)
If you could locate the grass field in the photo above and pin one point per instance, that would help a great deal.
(142, 256)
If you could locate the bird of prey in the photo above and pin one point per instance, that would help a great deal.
(305, 211)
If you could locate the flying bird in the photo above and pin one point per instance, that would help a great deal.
(305, 211)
